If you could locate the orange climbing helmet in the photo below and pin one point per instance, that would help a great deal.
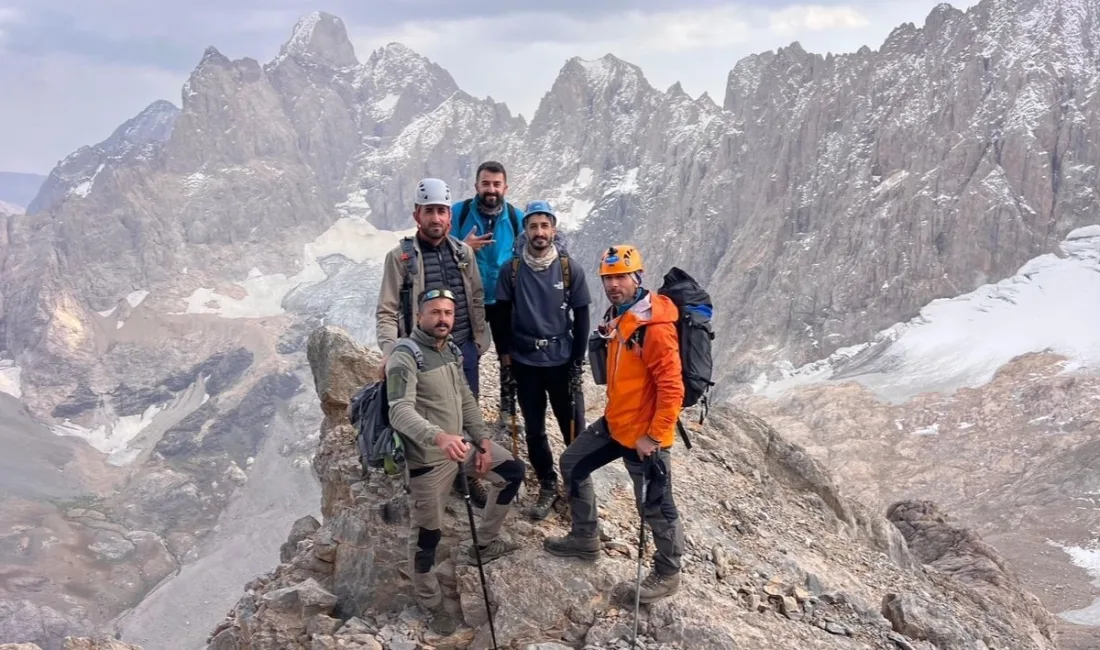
(621, 259)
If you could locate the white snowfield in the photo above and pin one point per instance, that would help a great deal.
(1051, 304)
(11, 378)
(1089, 560)
(353, 238)
(124, 439)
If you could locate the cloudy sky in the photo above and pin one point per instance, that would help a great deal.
(72, 70)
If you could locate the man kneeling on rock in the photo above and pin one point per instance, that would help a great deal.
(431, 406)
(644, 396)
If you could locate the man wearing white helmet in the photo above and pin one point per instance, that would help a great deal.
(434, 258)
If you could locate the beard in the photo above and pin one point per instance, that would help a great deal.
(434, 231)
(491, 199)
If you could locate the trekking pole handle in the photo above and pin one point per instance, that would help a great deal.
(476, 446)
(652, 462)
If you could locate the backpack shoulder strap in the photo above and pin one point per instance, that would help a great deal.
(515, 273)
(408, 255)
(463, 212)
(514, 219)
(413, 349)
(457, 248)
(566, 272)
(457, 351)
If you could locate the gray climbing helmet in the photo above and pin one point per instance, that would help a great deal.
(432, 191)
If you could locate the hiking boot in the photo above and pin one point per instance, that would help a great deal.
(656, 586)
(442, 622)
(548, 496)
(585, 548)
(478, 494)
(493, 550)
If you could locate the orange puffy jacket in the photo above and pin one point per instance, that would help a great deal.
(644, 387)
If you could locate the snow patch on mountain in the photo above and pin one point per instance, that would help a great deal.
(136, 139)
(383, 108)
(1051, 304)
(1089, 560)
(111, 438)
(11, 378)
(354, 239)
(627, 184)
(135, 298)
(125, 439)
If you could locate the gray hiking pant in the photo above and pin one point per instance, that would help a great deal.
(429, 488)
(593, 449)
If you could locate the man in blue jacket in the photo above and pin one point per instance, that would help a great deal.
(490, 225)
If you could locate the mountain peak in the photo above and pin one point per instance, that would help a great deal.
(213, 56)
(606, 70)
(602, 69)
(392, 68)
(320, 38)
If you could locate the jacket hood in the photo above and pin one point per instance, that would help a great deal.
(651, 309)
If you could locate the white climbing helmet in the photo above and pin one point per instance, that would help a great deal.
(432, 191)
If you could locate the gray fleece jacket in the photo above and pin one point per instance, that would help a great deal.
(432, 398)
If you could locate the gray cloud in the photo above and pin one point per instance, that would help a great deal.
(169, 34)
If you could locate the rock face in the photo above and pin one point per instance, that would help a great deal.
(131, 144)
(961, 554)
(24, 622)
(76, 643)
(1015, 458)
(776, 557)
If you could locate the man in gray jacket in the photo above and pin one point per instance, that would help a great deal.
(433, 257)
(431, 407)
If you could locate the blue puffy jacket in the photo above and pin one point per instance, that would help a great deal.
(464, 216)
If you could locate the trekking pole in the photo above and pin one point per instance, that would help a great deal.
(646, 465)
(512, 412)
(572, 416)
(515, 436)
(477, 549)
(572, 412)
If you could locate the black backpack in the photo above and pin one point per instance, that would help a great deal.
(694, 333)
(378, 444)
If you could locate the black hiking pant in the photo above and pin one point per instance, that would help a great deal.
(533, 385)
(498, 321)
(594, 448)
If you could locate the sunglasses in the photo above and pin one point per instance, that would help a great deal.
(439, 293)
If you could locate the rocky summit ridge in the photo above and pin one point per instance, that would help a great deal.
(777, 557)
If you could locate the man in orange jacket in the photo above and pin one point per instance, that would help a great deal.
(644, 395)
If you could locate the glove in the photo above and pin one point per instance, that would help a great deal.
(507, 390)
(576, 376)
